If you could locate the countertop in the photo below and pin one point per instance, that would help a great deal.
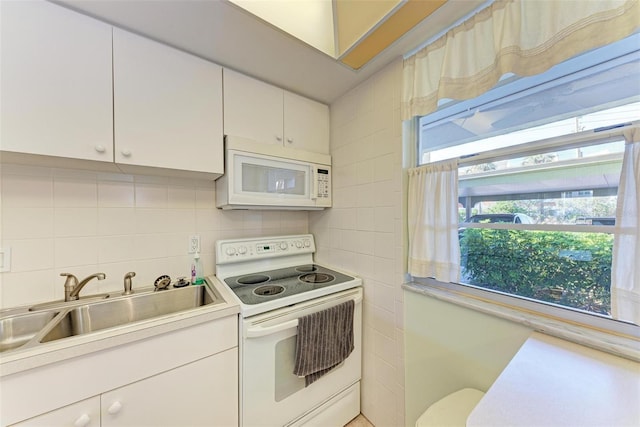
(19, 360)
(553, 382)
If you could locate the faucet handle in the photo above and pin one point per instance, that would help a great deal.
(71, 280)
(70, 284)
(128, 283)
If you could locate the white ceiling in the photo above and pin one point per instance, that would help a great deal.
(228, 35)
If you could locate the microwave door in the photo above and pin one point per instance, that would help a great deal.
(271, 181)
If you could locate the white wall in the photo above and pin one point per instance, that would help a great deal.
(362, 232)
(83, 222)
(449, 347)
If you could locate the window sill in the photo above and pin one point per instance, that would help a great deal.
(620, 345)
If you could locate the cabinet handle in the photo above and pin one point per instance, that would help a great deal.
(114, 408)
(83, 421)
(290, 140)
(126, 153)
(279, 138)
(100, 148)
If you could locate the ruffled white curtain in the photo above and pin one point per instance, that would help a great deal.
(434, 250)
(625, 269)
(524, 37)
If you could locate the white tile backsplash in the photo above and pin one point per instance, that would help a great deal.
(73, 251)
(148, 195)
(114, 194)
(26, 223)
(75, 222)
(31, 254)
(27, 191)
(70, 193)
(82, 222)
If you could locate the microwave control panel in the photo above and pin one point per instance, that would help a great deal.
(324, 183)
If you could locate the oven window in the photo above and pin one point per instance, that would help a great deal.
(285, 382)
(272, 180)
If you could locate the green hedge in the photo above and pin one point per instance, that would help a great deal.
(570, 269)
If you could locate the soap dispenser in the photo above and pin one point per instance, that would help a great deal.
(197, 276)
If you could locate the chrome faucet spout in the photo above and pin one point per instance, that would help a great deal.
(72, 287)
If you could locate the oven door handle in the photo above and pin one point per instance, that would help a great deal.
(261, 331)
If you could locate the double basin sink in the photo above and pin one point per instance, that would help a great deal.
(39, 325)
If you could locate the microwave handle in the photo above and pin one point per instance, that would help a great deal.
(314, 185)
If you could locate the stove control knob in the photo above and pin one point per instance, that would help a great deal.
(231, 250)
(307, 243)
(283, 246)
(298, 244)
(242, 250)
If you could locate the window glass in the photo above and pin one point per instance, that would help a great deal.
(540, 161)
(542, 227)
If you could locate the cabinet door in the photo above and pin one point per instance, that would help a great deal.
(202, 393)
(252, 109)
(306, 124)
(85, 413)
(55, 82)
(167, 106)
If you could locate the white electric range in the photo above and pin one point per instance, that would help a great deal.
(276, 281)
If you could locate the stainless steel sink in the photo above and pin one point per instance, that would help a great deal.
(62, 304)
(16, 331)
(121, 311)
(20, 327)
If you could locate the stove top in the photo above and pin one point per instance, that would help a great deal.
(256, 288)
(267, 273)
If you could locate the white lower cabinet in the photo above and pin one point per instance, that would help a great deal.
(85, 413)
(186, 377)
(202, 393)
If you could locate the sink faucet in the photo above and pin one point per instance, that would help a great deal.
(127, 283)
(72, 287)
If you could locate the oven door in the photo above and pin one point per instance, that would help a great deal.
(271, 395)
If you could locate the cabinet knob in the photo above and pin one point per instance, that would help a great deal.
(289, 140)
(114, 408)
(83, 421)
(100, 148)
(126, 153)
(279, 138)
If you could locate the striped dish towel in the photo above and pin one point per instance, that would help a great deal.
(324, 340)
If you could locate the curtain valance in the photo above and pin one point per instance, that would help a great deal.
(524, 37)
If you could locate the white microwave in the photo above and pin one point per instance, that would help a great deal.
(265, 176)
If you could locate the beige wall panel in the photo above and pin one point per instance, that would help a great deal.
(355, 18)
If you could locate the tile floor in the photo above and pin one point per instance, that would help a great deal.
(359, 421)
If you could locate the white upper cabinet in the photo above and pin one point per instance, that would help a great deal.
(306, 124)
(267, 114)
(55, 84)
(167, 107)
(252, 109)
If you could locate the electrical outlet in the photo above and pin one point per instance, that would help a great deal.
(194, 244)
(5, 259)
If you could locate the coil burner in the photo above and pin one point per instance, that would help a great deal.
(317, 278)
(306, 268)
(253, 279)
(268, 290)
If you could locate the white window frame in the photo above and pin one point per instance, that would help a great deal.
(545, 310)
